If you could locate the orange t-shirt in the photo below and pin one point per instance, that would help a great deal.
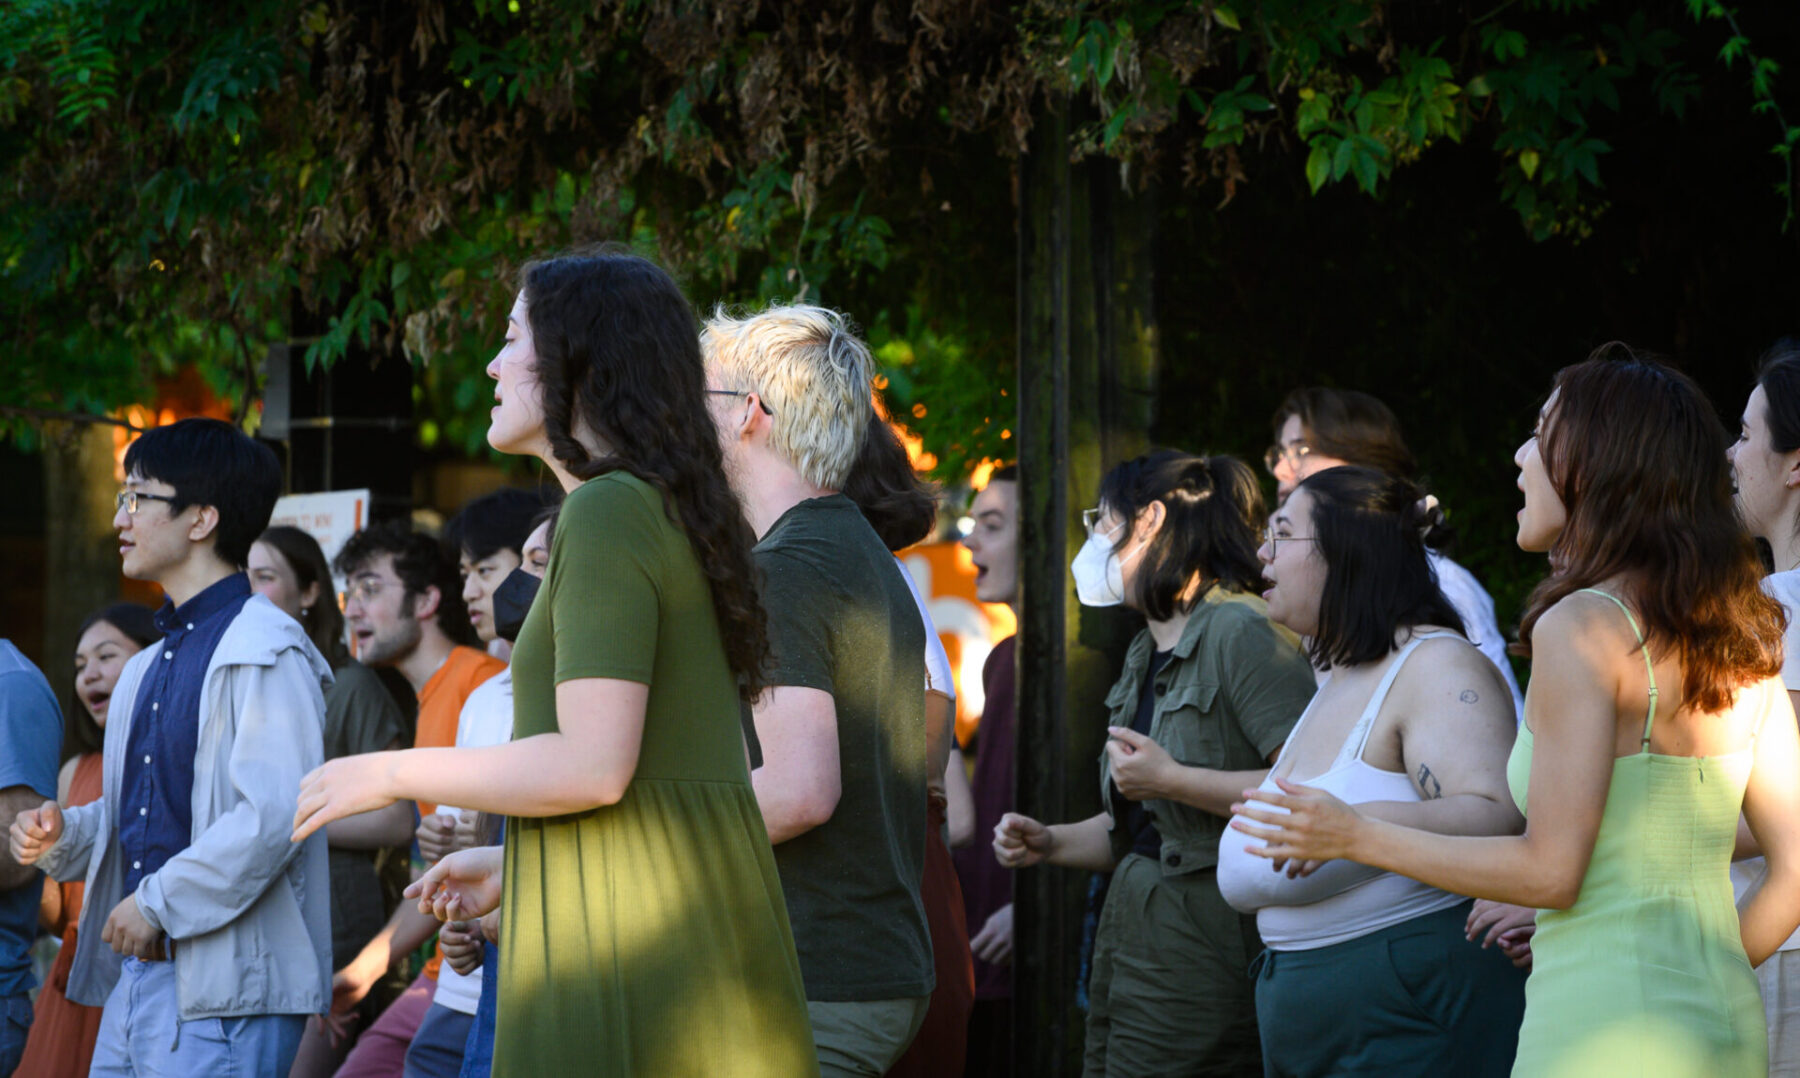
(441, 701)
(440, 705)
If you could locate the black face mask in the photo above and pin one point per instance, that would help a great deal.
(512, 601)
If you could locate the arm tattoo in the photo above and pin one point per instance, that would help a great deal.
(1469, 696)
(1429, 785)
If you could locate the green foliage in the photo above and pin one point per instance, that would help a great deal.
(366, 178)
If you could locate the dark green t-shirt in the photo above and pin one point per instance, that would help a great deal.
(842, 620)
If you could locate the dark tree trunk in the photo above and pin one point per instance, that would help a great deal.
(1087, 359)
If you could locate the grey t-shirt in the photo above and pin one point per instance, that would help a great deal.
(842, 620)
(360, 716)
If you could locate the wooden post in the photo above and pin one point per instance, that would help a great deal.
(1087, 355)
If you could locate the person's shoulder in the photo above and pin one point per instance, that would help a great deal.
(615, 507)
(474, 666)
(18, 671)
(1238, 618)
(494, 693)
(354, 678)
(1442, 657)
(1784, 588)
(610, 492)
(1585, 623)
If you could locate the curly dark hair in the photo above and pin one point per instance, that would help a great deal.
(618, 347)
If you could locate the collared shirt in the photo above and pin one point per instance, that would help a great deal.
(1226, 700)
(156, 816)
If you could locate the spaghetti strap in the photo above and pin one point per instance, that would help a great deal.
(1365, 724)
(1649, 671)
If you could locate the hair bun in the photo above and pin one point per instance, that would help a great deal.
(1428, 517)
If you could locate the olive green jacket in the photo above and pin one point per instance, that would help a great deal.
(1226, 700)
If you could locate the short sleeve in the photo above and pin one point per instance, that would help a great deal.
(605, 580)
(1267, 680)
(800, 617)
(360, 714)
(31, 730)
(937, 660)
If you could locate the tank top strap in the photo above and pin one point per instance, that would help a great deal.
(1649, 670)
(1353, 746)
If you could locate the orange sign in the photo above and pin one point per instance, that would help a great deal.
(968, 627)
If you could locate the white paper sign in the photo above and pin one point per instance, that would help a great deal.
(331, 517)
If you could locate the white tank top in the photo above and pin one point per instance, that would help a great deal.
(1342, 900)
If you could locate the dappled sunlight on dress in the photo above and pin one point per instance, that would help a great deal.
(648, 937)
(1645, 975)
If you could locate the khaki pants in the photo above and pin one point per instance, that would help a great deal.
(862, 1040)
(1171, 992)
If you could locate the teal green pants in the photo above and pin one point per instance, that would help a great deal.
(1170, 993)
(1416, 998)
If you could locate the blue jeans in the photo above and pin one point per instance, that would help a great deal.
(15, 1025)
(142, 1036)
(437, 1048)
(478, 1053)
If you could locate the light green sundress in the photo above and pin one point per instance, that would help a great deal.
(1645, 975)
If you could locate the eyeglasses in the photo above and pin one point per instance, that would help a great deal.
(760, 403)
(1290, 454)
(365, 588)
(128, 500)
(1090, 520)
(1275, 541)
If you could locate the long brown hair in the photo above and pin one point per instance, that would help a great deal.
(618, 349)
(1637, 456)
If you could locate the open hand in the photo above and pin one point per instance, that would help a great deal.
(350, 984)
(1488, 921)
(462, 886)
(1316, 827)
(1020, 841)
(994, 943)
(1505, 926)
(343, 787)
(1139, 765)
(34, 831)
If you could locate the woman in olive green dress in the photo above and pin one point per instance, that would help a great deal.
(643, 930)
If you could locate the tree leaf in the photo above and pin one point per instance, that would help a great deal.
(1318, 167)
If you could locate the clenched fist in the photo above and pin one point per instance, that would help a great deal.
(36, 830)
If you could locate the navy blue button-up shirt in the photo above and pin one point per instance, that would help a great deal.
(156, 809)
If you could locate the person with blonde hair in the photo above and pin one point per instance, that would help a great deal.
(841, 730)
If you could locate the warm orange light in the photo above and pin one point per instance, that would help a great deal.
(180, 397)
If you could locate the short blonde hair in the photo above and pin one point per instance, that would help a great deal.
(812, 370)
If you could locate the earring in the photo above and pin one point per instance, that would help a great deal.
(305, 610)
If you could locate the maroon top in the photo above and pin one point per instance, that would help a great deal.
(985, 885)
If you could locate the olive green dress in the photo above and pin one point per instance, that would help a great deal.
(647, 937)
(1645, 975)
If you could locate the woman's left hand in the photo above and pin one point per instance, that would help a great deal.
(342, 787)
(1316, 827)
(1138, 763)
